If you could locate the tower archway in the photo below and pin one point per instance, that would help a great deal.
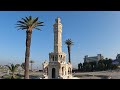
(69, 70)
(53, 72)
(63, 70)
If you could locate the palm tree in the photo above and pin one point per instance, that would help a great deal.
(80, 66)
(101, 65)
(109, 63)
(28, 24)
(23, 66)
(31, 64)
(13, 68)
(69, 43)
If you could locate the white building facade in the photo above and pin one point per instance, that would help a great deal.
(94, 58)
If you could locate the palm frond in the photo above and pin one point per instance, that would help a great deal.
(22, 28)
(27, 18)
(69, 42)
(21, 22)
(23, 65)
(35, 25)
(13, 67)
(24, 20)
(30, 17)
(9, 67)
(40, 22)
(35, 20)
(17, 65)
(29, 22)
(40, 25)
(37, 28)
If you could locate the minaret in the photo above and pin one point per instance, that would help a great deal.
(57, 36)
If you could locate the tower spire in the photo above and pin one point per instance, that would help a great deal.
(57, 35)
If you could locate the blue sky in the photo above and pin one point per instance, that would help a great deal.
(92, 32)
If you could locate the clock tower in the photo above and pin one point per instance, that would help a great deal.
(58, 67)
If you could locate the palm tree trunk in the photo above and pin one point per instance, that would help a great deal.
(69, 59)
(27, 53)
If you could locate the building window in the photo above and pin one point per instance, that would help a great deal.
(53, 58)
(56, 58)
